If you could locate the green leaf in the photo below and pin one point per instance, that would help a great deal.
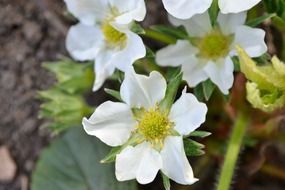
(134, 140)
(166, 181)
(136, 28)
(114, 93)
(201, 134)
(236, 63)
(171, 91)
(72, 77)
(213, 12)
(111, 156)
(208, 89)
(149, 53)
(198, 91)
(275, 6)
(175, 32)
(72, 162)
(62, 109)
(193, 148)
(255, 22)
(204, 90)
(159, 36)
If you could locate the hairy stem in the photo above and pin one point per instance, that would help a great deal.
(233, 150)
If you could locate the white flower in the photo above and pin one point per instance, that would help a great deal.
(184, 9)
(158, 135)
(103, 34)
(208, 55)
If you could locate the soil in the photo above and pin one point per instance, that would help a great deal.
(31, 32)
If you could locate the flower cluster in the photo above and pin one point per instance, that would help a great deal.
(104, 34)
(150, 136)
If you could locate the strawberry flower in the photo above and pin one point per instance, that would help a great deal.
(156, 135)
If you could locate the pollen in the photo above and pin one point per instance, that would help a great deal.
(112, 35)
(214, 45)
(154, 126)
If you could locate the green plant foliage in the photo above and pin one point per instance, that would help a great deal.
(72, 77)
(62, 109)
(193, 148)
(275, 6)
(137, 28)
(214, 12)
(114, 93)
(266, 89)
(63, 104)
(266, 100)
(171, 90)
(204, 90)
(200, 134)
(255, 22)
(166, 182)
(233, 150)
(174, 32)
(72, 162)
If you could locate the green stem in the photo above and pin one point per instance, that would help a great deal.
(159, 36)
(234, 147)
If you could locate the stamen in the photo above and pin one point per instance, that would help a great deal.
(214, 45)
(112, 35)
(155, 127)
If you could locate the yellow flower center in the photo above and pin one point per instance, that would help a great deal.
(214, 45)
(155, 126)
(113, 36)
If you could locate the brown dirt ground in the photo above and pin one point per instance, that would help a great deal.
(30, 32)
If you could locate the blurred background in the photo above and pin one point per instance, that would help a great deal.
(34, 31)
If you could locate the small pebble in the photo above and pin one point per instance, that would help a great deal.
(7, 165)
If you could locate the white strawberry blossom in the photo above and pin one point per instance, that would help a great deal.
(185, 9)
(104, 34)
(159, 134)
(207, 54)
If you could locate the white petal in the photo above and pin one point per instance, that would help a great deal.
(193, 72)
(185, 9)
(87, 11)
(140, 162)
(187, 113)
(143, 91)
(174, 162)
(133, 51)
(112, 123)
(129, 10)
(83, 42)
(197, 26)
(251, 40)
(221, 73)
(230, 22)
(175, 55)
(104, 67)
(236, 6)
(183, 53)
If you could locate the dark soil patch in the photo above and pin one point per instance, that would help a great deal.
(30, 33)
